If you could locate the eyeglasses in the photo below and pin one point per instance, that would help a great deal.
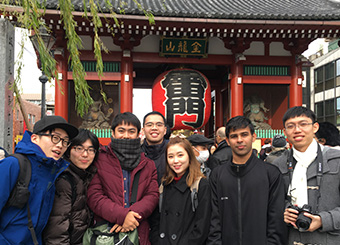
(56, 139)
(81, 149)
(151, 125)
(301, 125)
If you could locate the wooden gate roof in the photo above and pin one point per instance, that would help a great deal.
(225, 9)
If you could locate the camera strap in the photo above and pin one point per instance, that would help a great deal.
(319, 172)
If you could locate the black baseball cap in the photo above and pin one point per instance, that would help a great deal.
(198, 139)
(52, 122)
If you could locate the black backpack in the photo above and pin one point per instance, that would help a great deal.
(20, 193)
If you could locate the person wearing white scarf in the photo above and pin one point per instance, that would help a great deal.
(298, 187)
(315, 181)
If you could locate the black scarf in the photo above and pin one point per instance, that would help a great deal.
(127, 151)
(154, 151)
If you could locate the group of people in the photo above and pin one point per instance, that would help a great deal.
(185, 195)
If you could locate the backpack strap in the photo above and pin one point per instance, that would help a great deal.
(20, 193)
(134, 188)
(194, 191)
(31, 227)
(69, 178)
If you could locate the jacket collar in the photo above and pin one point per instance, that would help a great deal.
(243, 169)
(83, 174)
(34, 152)
(328, 154)
(181, 185)
(154, 151)
(222, 144)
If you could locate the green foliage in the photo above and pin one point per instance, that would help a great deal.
(31, 17)
(83, 98)
(20, 65)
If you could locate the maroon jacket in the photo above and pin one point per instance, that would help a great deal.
(106, 191)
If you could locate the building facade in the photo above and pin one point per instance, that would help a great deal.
(34, 114)
(325, 84)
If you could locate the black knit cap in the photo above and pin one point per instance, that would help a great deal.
(279, 141)
(52, 122)
(198, 139)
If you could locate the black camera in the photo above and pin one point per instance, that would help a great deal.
(302, 221)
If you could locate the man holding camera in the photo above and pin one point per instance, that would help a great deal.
(312, 181)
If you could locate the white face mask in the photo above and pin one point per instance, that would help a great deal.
(203, 156)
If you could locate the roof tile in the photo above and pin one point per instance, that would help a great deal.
(227, 9)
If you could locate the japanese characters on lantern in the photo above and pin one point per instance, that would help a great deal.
(183, 96)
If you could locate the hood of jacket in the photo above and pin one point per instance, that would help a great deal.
(35, 153)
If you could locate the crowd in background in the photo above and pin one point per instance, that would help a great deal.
(174, 189)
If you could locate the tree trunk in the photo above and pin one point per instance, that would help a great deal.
(22, 107)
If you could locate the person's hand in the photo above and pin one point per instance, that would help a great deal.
(117, 228)
(130, 222)
(290, 215)
(316, 221)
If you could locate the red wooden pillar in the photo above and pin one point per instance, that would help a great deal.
(236, 89)
(61, 89)
(295, 88)
(126, 82)
(218, 108)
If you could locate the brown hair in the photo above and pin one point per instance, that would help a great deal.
(194, 165)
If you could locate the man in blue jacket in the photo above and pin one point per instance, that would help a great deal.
(44, 148)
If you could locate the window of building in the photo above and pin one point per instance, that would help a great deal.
(329, 107)
(30, 118)
(319, 112)
(325, 111)
(337, 64)
(338, 111)
(329, 70)
(33, 119)
(318, 76)
(337, 72)
(329, 75)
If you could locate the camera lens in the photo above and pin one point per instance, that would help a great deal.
(302, 225)
(303, 222)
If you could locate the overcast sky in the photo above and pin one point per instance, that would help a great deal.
(30, 73)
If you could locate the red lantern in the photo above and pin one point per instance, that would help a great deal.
(183, 96)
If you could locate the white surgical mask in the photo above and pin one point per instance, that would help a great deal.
(203, 156)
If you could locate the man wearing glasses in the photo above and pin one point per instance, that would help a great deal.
(154, 128)
(312, 180)
(44, 148)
